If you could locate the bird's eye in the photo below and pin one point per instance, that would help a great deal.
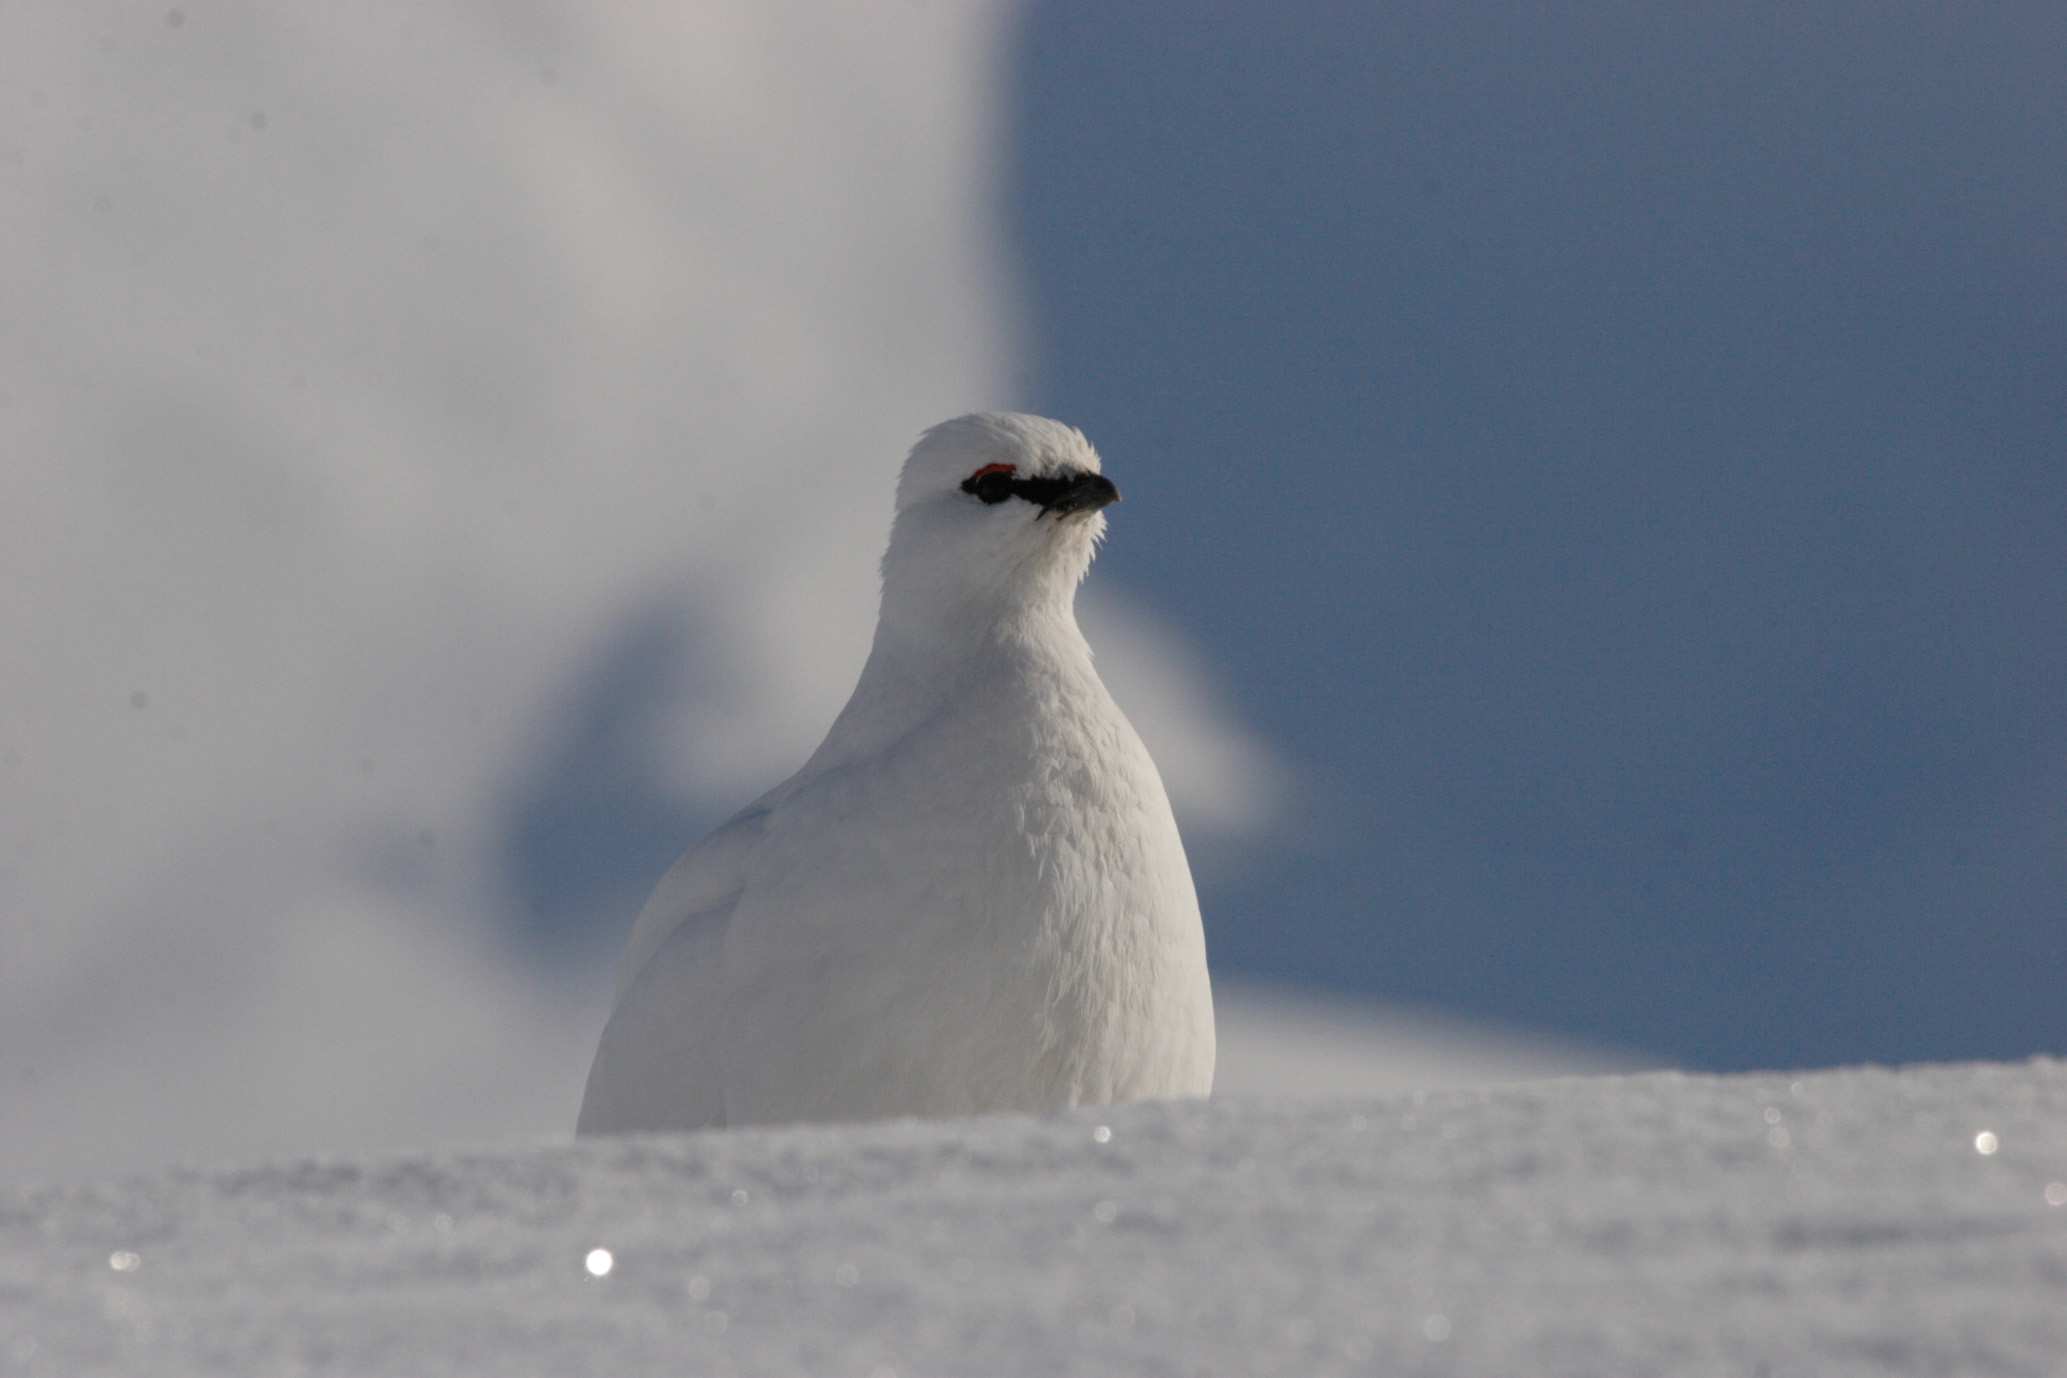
(992, 483)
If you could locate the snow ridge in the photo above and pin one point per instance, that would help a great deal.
(1858, 1221)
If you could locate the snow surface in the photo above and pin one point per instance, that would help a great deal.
(1284, 1042)
(1844, 1222)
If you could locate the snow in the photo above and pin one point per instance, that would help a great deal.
(386, 476)
(1826, 1223)
(1284, 1041)
(380, 351)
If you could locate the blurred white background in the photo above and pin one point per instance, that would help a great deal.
(370, 379)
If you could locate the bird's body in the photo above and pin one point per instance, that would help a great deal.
(973, 896)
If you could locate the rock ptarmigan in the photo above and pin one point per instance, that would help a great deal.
(972, 898)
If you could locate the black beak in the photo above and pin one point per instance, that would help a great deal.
(1067, 493)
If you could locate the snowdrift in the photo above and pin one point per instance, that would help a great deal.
(1857, 1221)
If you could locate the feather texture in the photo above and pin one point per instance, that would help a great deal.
(973, 896)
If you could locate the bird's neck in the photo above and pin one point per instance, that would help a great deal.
(918, 666)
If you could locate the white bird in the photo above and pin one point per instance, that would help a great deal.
(973, 897)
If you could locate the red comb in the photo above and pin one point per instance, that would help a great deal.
(995, 469)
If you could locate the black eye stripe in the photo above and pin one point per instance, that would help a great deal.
(993, 486)
(996, 485)
(1044, 491)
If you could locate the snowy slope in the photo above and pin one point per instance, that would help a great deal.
(1282, 1042)
(1835, 1223)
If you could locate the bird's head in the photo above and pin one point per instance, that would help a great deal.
(996, 511)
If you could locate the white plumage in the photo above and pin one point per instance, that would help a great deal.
(973, 896)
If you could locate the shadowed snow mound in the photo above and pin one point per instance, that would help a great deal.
(1855, 1221)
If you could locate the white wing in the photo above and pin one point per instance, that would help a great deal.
(657, 1065)
(706, 879)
